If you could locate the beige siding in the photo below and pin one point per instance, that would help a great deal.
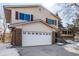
(43, 14)
(36, 27)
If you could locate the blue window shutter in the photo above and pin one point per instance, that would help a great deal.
(21, 16)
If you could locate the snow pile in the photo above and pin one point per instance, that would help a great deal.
(6, 50)
(72, 48)
(60, 44)
(70, 41)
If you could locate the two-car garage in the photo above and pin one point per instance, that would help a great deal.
(36, 38)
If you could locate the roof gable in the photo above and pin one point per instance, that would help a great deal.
(29, 6)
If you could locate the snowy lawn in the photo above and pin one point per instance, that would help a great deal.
(70, 41)
(6, 50)
(74, 47)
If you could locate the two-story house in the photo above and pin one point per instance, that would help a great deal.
(76, 28)
(31, 25)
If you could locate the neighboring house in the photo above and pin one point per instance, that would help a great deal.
(66, 34)
(31, 25)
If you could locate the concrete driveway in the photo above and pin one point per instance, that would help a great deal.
(52, 50)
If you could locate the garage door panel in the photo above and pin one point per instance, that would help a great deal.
(33, 39)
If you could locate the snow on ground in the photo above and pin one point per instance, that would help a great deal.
(70, 41)
(4, 45)
(74, 47)
(6, 50)
(9, 52)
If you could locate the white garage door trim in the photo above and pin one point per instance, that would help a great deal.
(36, 38)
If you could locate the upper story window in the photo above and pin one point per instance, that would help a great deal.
(23, 16)
(51, 21)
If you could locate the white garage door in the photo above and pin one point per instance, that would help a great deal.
(36, 38)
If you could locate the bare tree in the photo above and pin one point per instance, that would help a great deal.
(3, 38)
(67, 12)
(3, 23)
